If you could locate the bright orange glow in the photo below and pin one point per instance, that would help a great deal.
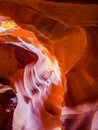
(8, 25)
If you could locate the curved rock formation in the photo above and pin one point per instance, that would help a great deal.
(48, 53)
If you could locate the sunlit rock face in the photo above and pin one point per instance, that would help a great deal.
(48, 69)
(35, 77)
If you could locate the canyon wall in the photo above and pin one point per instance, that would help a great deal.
(48, 53)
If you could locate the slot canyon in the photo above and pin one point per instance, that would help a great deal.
(48, 65)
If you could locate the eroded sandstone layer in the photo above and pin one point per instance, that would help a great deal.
(48, 65)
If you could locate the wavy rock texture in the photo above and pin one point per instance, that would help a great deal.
(48, 68)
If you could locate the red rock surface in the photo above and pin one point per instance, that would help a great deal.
(49, 62)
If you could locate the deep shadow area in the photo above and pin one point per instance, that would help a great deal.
(75, 1)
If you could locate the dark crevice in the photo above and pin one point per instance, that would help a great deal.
(75, 1)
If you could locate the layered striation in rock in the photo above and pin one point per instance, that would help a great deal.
(48, 65)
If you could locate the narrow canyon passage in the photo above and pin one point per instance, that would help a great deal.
(48, 65)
